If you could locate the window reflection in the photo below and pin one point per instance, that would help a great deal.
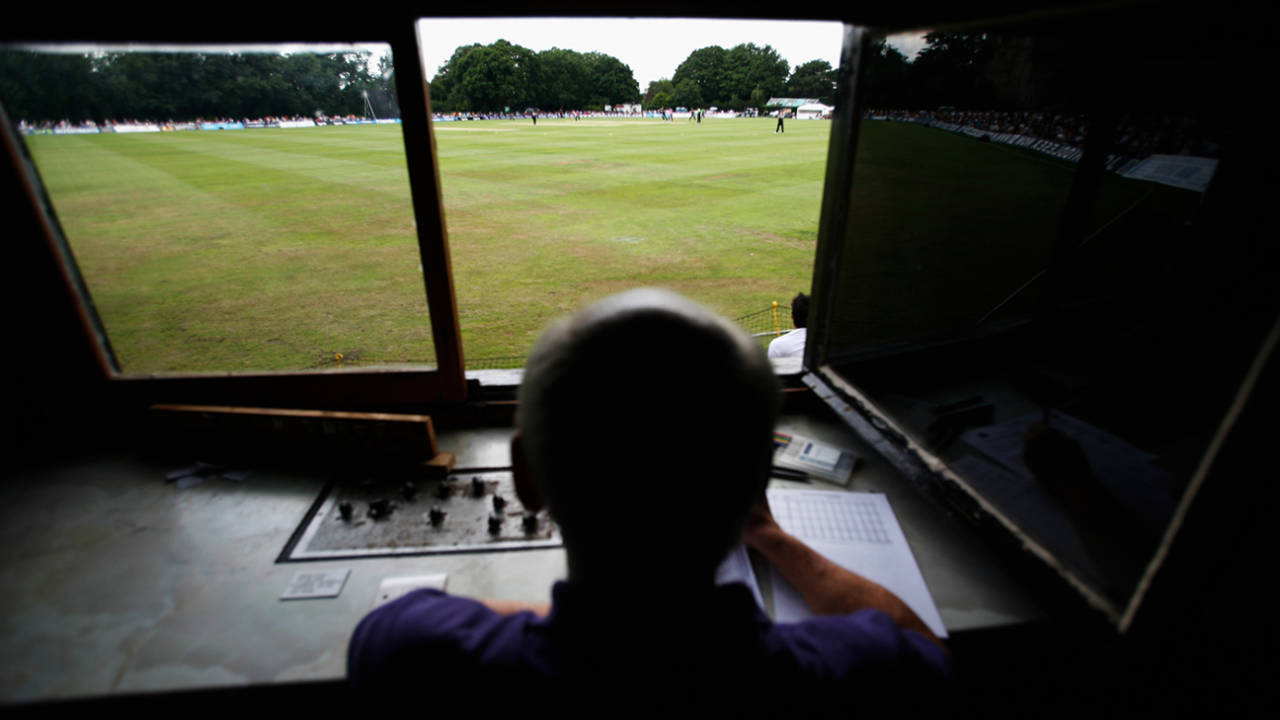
(1026, 287)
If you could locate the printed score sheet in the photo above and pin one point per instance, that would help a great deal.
(857, 531)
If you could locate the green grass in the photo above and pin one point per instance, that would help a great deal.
(275, 249)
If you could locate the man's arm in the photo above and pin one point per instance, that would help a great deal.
(827, 588)
(511, 607)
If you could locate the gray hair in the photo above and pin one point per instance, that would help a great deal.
(648, 395)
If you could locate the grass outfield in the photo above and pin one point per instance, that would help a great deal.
(275, 249)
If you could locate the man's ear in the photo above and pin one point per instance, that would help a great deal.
(525, 488)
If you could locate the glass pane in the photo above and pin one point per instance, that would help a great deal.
(582, 157)
(1055, 335)
(231, 209)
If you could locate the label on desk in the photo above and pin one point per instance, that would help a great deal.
(308, 584)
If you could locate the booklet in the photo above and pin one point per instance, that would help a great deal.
(820, 460)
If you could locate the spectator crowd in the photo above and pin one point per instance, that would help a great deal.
(1136, 136)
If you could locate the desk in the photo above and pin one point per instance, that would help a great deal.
(116, 582)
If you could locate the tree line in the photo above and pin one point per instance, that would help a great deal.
(953, 70)
(505, 77)
(162, 86)
(741, 77)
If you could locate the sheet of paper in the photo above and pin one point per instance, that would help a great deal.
(737, 568)
(857, 531)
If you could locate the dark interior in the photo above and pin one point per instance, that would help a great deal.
(1150, 330)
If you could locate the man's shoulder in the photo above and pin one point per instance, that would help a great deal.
(792, 343)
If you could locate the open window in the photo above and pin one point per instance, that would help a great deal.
(263, 256)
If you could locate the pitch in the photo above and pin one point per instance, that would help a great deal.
(276, 249)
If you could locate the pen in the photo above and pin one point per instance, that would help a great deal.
(788, 474)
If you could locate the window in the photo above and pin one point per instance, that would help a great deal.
(226, 237)
(1027, 291)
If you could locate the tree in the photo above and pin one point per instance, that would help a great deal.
(885, 77)
(705, 68)
(501, 75)
(483, 78)
(734, 78)
(814, 79)
(611, 81)
(687, 94)
(164, 86)
(752, 68)
(564, 75)
(950, 71)
(661, 86)
(522, 82)
(442, 84)
(42, 86)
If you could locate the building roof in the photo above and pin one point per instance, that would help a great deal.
(789, 102)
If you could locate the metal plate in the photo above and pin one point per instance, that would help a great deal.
(406, 528)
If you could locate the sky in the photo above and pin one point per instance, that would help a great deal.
(653, 48)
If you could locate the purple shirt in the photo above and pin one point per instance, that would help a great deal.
(431, 637)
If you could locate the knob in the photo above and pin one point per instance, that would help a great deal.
(380, 508)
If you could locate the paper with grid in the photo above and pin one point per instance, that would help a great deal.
(859, 532)
(819, 518)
